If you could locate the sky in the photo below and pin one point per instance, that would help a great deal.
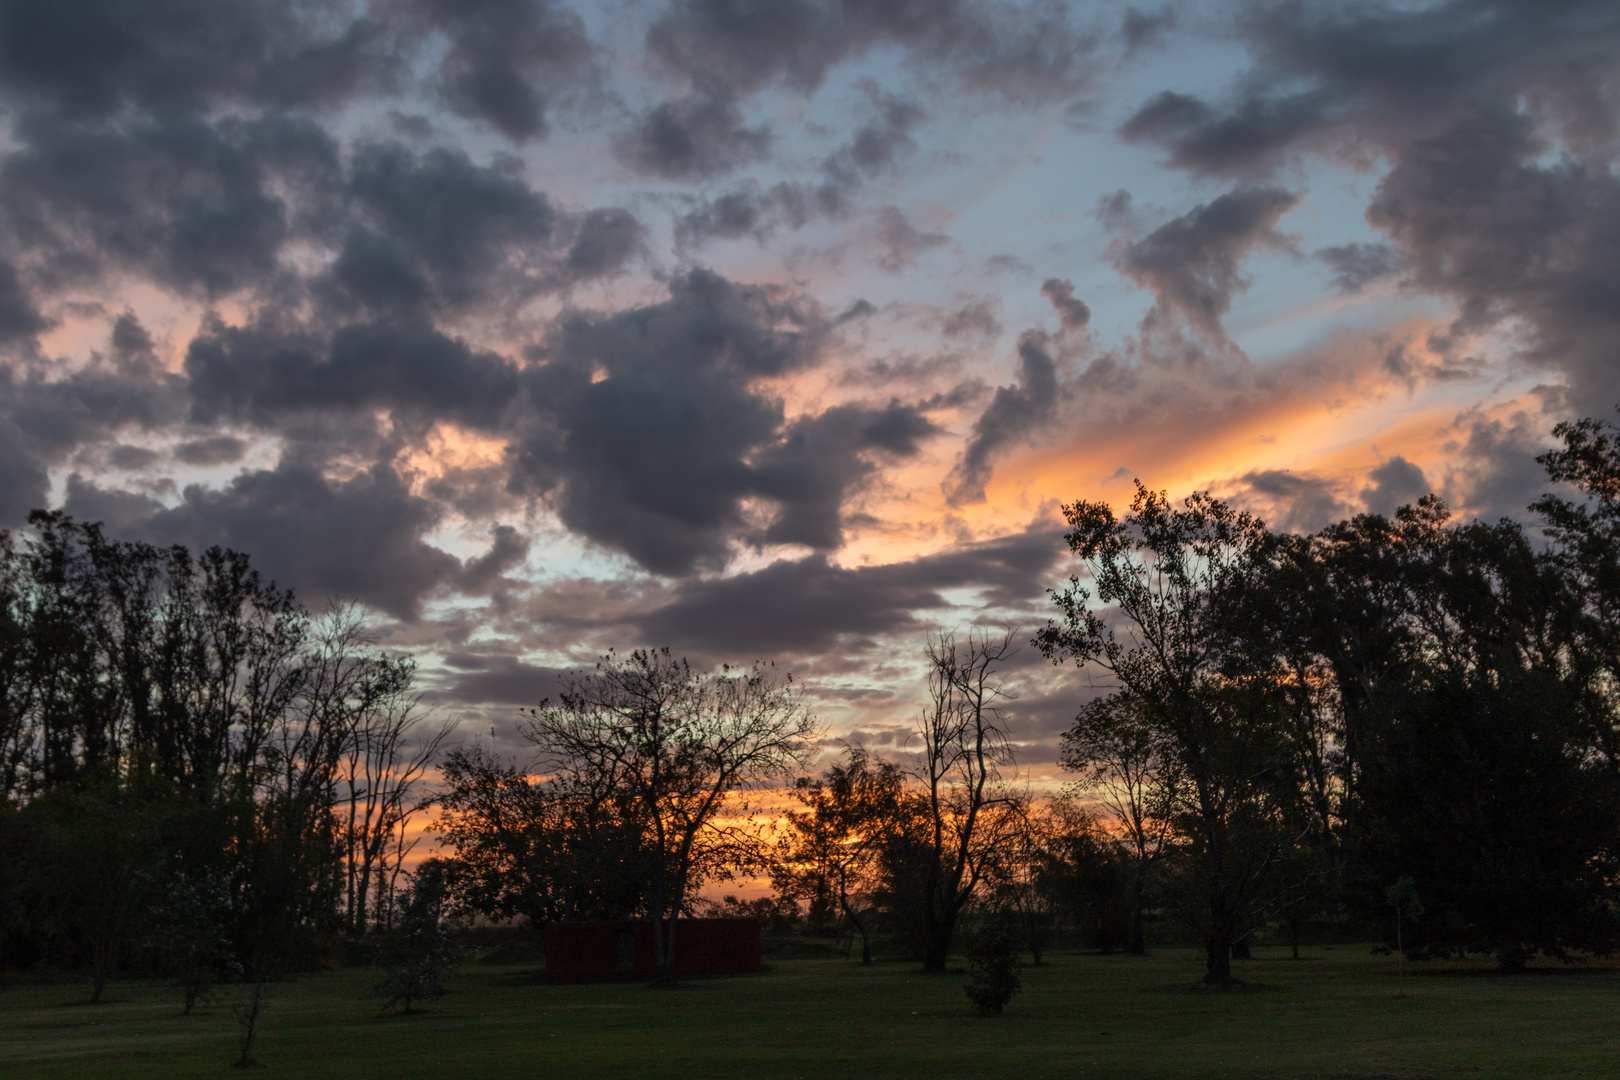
(782, 329)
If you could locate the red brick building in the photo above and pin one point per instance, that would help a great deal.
(623, 950)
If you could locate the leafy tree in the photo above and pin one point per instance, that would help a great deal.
(829, 852)
(1183, 585)
(566, 847)
(417, 955)
(1127, 764)
(685, 748)
(993, 967)
(192, 925)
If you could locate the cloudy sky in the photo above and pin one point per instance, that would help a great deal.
(782, 328)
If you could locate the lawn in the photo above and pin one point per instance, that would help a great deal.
(1333, 1013)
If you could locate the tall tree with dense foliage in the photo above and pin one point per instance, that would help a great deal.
(1182, 589)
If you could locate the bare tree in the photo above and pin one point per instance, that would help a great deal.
(973, 815)
(687, 746)
(380, 790)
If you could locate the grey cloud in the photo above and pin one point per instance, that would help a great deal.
(876, 148)
(1480, 219)
(1019, 52)
(1333, 77)
(1291, 501)
(505, 58)
(691, 138)
(1071, 310)
(645, 420)
(1355, 266)
(1191, 262)
(822, 459)
(507, 550)
(1014, 413)
(198, 207)
(441, 229)
(214, 450)
(502, 680)
(606, 241)
(262, 373)
(899, 242)
(360, 537)
(19, 320)
(811, 605)
(1395, 483)
(87, 58)
(977, 319)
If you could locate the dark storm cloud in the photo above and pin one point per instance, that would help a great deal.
(1394, 484)
(505, 57)
(260, 373)
(1191, 262)
(89, 57)
(192, 205)
(691, 138)
(1072, 311)
(1014, 414)
(810, 605)
(1021, 52)
(359, 538)
(649, 431)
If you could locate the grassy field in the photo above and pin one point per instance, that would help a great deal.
(1334, 1013)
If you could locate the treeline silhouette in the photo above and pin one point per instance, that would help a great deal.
(1402, 726)
(196, 775)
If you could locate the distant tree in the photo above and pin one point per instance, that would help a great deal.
(686, 748)
(829, 852)
(417, 954)
(1084, 873)
(1128, 765)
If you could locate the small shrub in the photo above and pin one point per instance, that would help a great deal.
(417, 956)
(993, 968)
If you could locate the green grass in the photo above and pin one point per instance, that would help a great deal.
(1334, 1013)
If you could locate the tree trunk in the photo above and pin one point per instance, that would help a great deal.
(663, 938)
(1218, 960)
(860, 928)
(1138, 945)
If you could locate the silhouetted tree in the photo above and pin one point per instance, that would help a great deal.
(685, 748)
